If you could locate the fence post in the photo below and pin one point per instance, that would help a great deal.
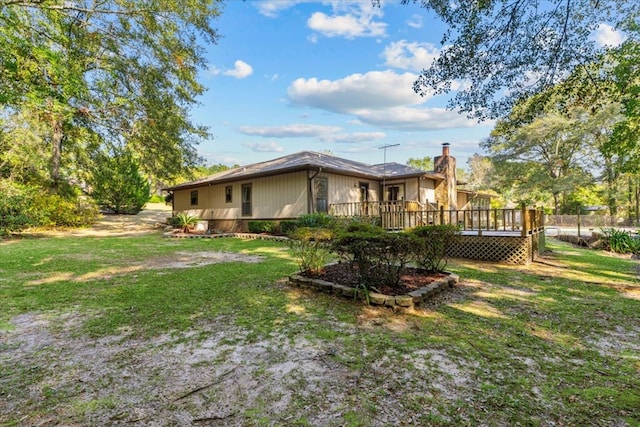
(442, 215)
(579, 209)
(524, 220)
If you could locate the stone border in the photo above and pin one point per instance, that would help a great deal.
(250, 236)
(404, 302)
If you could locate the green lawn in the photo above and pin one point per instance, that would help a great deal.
(553, 343)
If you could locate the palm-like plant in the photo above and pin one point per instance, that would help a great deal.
(185, 221)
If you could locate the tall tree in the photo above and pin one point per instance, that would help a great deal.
(123, 71)
(507, 50)
(556, 151)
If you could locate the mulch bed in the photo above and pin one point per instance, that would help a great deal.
(346, 274)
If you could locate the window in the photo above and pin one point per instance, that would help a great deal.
(246, 199)
(321, 193)
(228, 194)
(194, 198)
(394, 193)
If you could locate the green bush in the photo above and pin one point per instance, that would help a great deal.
(30, 206)
(288, 226)
(118, 184)
(621, 241)
(431, 244)
(185, 221)
(15, 204)
(58, 211)
(316, 220)
(380, 257)
(269, 227)
(156, 199)
(310, 247)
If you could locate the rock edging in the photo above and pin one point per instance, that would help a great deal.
(403, 302)
(250, 236)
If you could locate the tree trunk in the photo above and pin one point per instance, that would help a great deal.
(556, 204)
(56, 152)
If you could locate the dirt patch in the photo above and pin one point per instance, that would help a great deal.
(198, 259)
(186, 379)
(152, 218)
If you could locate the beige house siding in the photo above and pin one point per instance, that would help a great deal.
(463, 201)
(280, 196)
(427, 191)
(417, 189)
(346, 189)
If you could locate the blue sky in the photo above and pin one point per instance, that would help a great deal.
(289, 76)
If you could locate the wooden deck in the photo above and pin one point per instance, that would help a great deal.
(511, 236)
(401, 215)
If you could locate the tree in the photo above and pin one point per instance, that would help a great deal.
(117, 183)
(481, 173)
(555, 152)
(507, 50)
(111, 73)
(425, 164)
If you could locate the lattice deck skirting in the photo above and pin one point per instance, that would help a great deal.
(506, 249)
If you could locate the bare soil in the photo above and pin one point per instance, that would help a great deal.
(150, 219)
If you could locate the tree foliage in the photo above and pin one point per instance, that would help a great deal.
(117, 183)
(507, 50)
(100, 74)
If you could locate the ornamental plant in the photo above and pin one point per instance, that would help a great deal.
(430, 245)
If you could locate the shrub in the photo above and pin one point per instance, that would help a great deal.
(117, 183)
(57, 211)
(310, 247)
(29, 206)
(315, 220)
(287, 227)
(270, 227)
(381, 257)
(431, 244)
(185, 221)
(621, 241)
(156, 199)
(15, 204)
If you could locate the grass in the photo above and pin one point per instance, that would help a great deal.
(553, 343)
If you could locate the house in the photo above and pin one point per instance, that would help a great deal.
(310, 182)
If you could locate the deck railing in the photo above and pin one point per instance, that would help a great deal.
(407, 214)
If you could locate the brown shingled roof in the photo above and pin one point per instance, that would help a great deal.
(305, 160)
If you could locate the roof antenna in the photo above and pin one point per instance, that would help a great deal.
(384, 165)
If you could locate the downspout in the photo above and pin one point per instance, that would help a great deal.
(310, 207)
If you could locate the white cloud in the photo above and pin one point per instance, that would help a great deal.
(289, 131)
(410, 56)
(606, 35)
(213, 70)
(271, 8)
(380, 98)
(373, 90)
(264, 147)
(418, 119)
(354, 137)
(349, 20)
(240, 71)
(415, 21)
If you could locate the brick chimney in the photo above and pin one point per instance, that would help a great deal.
(447, 191)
